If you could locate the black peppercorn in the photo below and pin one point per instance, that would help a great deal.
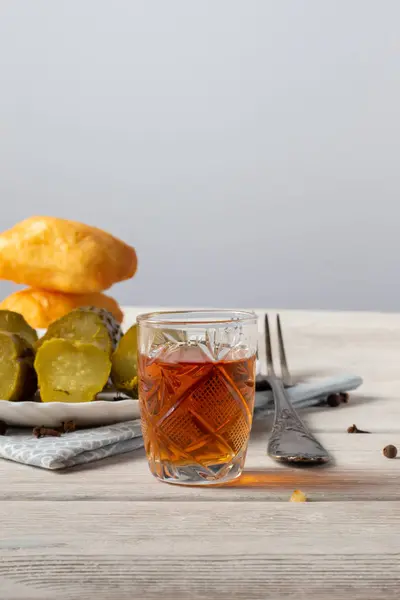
(333, 400)
(336, 399)
(390, 451)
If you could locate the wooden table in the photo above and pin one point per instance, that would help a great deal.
(110, 531)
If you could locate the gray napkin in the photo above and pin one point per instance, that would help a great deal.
(311, 393)
(76, 448)
(88, 445)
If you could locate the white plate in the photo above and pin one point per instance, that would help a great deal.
(104, 411)
(52, 414)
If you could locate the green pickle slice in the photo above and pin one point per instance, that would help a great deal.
(15, 323)
(18, 379)
(71, 371)
(124, 370)
(85, 325)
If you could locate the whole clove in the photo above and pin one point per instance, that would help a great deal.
(3, 428)
(68, 426)
(354, 429)
(40, 432)
(65, 427)
(390, 451)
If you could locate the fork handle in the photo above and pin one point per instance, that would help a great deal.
(286, 416)
(290, 440)
(281, 398)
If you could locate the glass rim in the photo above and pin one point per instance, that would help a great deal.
(192, 317)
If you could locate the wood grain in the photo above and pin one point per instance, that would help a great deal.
(196, 550)
(360, 471)
(110, 530)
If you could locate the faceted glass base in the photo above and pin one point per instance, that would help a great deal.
(195, 474)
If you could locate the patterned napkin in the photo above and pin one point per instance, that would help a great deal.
(311, 393)
(76, 448)
(88, 445)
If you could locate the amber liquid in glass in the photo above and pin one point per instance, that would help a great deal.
(196, 413)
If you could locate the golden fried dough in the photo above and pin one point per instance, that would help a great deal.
(41, 307)
(61, 255)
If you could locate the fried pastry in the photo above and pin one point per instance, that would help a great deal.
(40, 308)
(65, 256)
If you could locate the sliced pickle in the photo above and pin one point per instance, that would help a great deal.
(124, 371)
(113, 327)
(15, 323)
(70, 370)
(89, 324)
(18, 379)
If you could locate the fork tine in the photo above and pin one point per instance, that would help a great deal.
(268, 348)
(286, 377)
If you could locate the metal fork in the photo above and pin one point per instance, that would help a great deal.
(290, 441)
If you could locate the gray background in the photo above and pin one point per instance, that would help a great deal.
(248, 149)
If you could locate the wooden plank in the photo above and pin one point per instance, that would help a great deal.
(317, 344)
(359, 471)
(125, 535)
(195, 550)
(321, 344)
